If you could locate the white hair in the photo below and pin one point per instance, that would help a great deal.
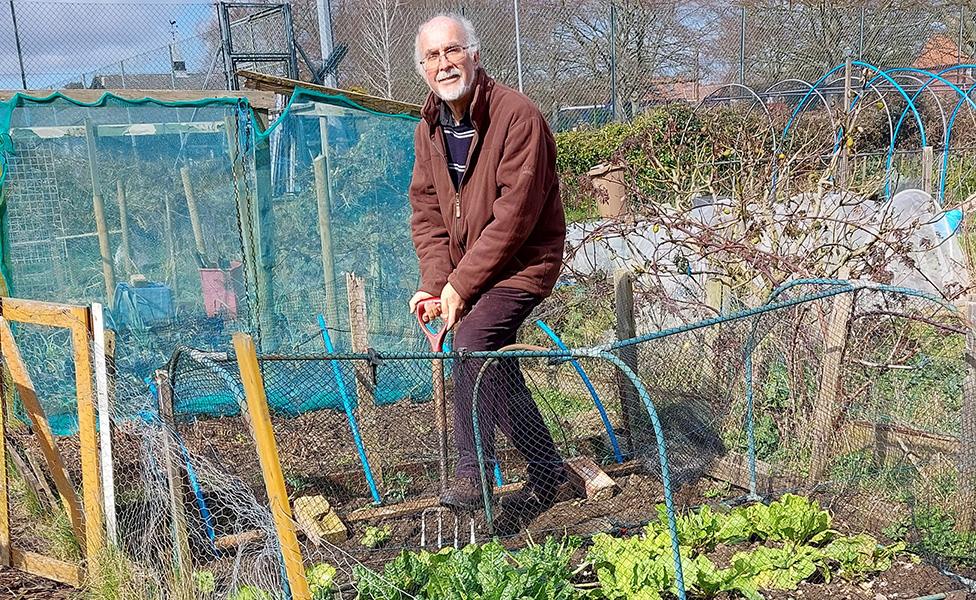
(470, 37)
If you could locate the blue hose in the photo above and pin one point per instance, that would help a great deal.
(347, 405)
(589, 386)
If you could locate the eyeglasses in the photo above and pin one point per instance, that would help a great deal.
(453, 54)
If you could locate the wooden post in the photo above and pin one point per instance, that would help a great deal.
(87, 432)
(274, 481)
(927, 164)
(633, 414)
(104, 248)
(191, 206)
(124, 222)
(826, 403)
(966, 498)
(359, 332)
(324, 202)
(4, 502)
(42, 430)
(170, 243)
(181, 541)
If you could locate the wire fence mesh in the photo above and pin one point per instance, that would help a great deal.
(852, 398)
(584, 62)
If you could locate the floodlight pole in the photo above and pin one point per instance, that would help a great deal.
(326, 43)
(20, 52)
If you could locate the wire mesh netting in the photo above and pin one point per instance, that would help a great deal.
(825, 392)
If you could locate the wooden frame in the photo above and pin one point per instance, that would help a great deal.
(77, 320)
(260, 420)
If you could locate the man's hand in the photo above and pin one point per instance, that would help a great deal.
(452, 306)
(431, 309)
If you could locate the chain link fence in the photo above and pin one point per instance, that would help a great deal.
(586, 61)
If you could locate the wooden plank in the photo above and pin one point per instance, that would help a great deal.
(42, 430)
(257, 99)
(31, 473)
(589, 479)
(286, 87)
(181, 540)
(4, 501)
(48, 132)
(17, 310)
(88, 434)
(826, 403)
(226, 542)
(733, 468)
(274, 480)
(46, 567)
(104, 422)
(366, 402)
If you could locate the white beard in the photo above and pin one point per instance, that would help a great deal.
(455, 93)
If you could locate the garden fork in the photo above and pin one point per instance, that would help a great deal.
(436, 339)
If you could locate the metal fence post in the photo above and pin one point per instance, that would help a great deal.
(613, 58)
(326, 41)
(742, 45)
(860, 39)
(20, 51)
(518, 45)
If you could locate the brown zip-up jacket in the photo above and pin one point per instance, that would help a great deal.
(505, 226)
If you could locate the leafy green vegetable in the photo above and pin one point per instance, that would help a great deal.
(374, 537)
(735, 528)
(204, 582)
(861, 555)
(249, 592)
(321, 580)
(779, 568)
(486, 572)
(791, 519)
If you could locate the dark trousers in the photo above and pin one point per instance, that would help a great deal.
(503, 398)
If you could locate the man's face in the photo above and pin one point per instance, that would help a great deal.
(448, 67)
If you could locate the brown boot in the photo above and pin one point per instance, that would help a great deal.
(464, 494)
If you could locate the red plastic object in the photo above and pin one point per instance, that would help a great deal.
(222, 289)
(435, 337)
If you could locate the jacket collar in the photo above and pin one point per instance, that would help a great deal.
(478, 111)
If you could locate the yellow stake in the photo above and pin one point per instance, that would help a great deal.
(274, 481)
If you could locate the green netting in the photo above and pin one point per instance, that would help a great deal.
(189, 222)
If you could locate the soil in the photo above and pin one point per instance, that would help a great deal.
(17, 585)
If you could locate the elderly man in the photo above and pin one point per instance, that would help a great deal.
(489, 230)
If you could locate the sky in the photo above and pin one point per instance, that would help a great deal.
(60, 40)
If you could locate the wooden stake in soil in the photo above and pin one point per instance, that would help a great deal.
(369, 418)
(633, 414)
(274, 480)
(191, 206)
(927, 164)
(181, 540)
(966, 498)
(825, 407)
(124, 222)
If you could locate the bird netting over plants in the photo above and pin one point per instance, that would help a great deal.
(190, 220)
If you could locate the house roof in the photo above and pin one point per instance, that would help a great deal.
(940, 50)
